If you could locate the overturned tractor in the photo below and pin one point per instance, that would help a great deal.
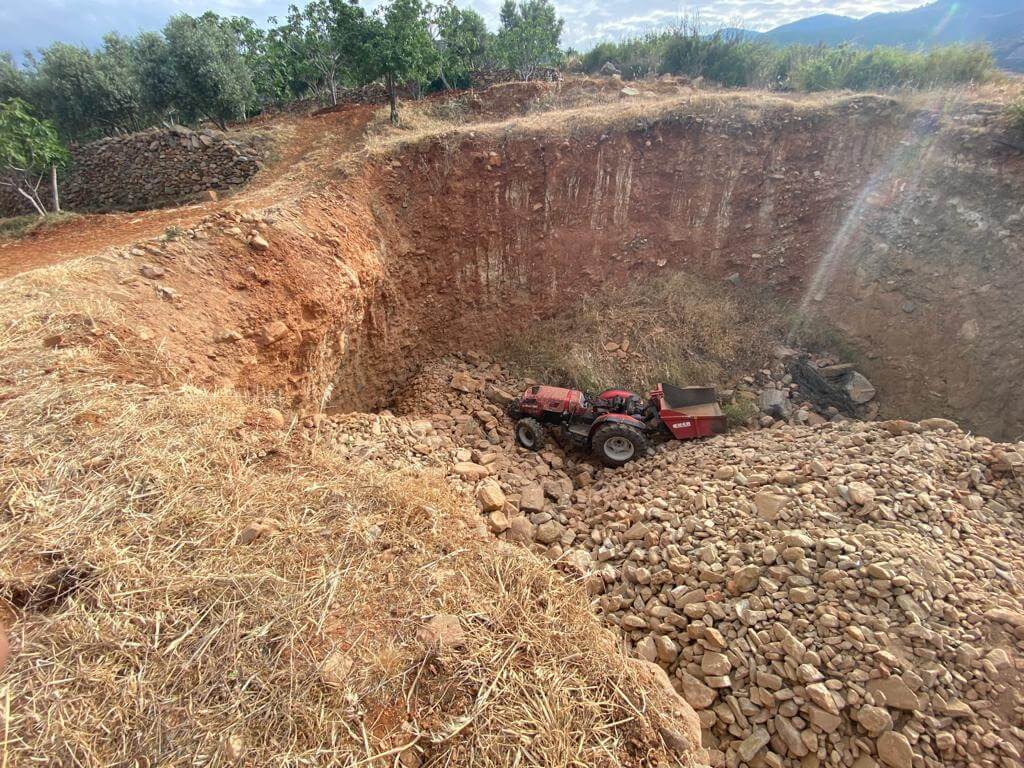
(617, 425)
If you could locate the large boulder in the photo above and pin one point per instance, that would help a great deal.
(774, 403)
(858, 388)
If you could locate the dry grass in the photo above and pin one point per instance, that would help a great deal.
(582, 112)
(144, 632)
(584, 106)
(674, 328)
(17, 227)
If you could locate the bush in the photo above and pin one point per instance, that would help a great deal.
(739, 413)
(1015, 114)
(17, 227)
(634, 57)
(735, 61)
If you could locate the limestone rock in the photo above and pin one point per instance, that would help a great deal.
(896, 692)
(698, 695)
(532, 498)
(442, 629)
(470, 471)
(274, 332)
(874, 719)
(859, 388)
(770, 505)
(929, 425)
(463, 382)
(894, 750)
(753, 744)
(336, 668)
(490, 496)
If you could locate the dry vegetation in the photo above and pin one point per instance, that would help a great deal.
(145, 632)
(16, 227)
(583, 110)
(676, 329)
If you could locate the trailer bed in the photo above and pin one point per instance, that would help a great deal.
(689, 412)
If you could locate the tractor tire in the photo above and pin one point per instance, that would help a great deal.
(530, 434)
(617, 444)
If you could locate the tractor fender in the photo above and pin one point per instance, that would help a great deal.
(608, 394)
(616, 418)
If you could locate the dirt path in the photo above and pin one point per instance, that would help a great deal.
(289, 171)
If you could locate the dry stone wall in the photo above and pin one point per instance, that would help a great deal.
(152, 168)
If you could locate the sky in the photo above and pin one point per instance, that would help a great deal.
(32, 24)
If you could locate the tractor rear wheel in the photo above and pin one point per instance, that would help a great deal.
(616, 444)
(530, 434)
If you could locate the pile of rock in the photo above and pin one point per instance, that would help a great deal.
(824, 595)
(800, 389)
(846, 594)
(149, 169)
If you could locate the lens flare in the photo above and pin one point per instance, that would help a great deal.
(896, 180)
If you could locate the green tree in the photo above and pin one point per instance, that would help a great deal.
(14, 81)
(274, 69)
(29, 150)
(89, 94)
(158, 80)
(529, 36)
(211, 75)
(462, 42)
(401, 49)
(326, 41)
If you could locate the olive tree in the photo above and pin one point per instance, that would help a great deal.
(212, 79)
(401, 49)
(326, 40)
(462, 42)
(89, 93)
(529, 36)
(14, 81)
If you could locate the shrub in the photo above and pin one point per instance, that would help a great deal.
(634, 57)
(739, 412)
(1015, 114)
(734, 60)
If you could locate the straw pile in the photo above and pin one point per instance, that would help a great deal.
(184, 583)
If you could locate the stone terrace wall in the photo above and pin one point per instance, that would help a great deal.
(161, 166)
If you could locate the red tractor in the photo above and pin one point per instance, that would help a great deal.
(616, 424)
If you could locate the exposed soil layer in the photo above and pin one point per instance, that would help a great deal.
(861, 215)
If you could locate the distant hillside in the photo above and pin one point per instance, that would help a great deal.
(997, 22)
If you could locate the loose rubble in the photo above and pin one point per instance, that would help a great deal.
(842, 594)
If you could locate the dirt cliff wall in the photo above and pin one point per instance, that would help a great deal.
(898, 231)
(481, 234)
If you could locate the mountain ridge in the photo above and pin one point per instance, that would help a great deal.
(1000, 23)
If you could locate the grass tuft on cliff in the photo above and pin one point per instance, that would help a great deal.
(677, 328)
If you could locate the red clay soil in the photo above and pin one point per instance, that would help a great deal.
(284, 176)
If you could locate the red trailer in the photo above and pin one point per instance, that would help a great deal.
(689, 412)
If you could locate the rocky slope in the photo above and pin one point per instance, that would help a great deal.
(844, 594)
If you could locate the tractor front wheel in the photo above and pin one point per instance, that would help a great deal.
(530, 434)
(616, 444)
